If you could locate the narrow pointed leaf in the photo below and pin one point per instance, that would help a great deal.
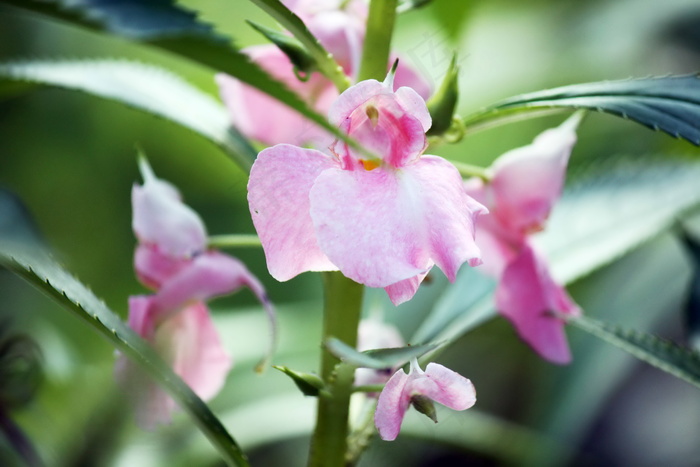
(379, 358)
(665, 355)
(324, 60)
(143, 87)
(443, 103)
(670, 104)
(292, 48)
(165, 25)
(40, 270)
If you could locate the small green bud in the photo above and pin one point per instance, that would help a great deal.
(444, 102)
(308, 383)
(425, 406)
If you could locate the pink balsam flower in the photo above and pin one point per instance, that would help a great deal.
(383, 220)
(525, 184)
(173, 260)
(436, 383)
(340, 28)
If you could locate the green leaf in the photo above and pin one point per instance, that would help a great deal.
(324, 60)
(670, 104)
(309, 384)
(379, 358)
(665, 355)
(292, 48)
(615, 206)
(165, 25)
(39, 269)
(692, 303)
(144, 87)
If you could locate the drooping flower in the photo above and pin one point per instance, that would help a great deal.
(418, 388)
(340, 27)
(172, 259)
(525, 184)
(375, 334)
(383, 220)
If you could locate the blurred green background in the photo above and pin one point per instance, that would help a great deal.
(71, 159)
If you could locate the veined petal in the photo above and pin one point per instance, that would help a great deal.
(391, 406)
(526, 295)
(444, 386)
(446, 214)
(366, 223)
(162, 219)
(527, 181)
(414, 104)
(278, 197)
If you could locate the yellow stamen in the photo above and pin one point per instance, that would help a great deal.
(369, 165)
(372, 114)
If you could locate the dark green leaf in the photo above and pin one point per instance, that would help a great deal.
(40, 270)
(324, 60)
(692, 304)
(665, 355)
(670, 104)
(16, 222)
(292, 48)
(380, 358)
(143, 87)
(164, 24)
(309, 384)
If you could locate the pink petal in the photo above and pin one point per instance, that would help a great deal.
(160, 218)
(407, 76)
(412, 102)
(527, 181)
(391, 406)
(262, 117)
(379, 123)
(195, 350)
(154, 267)
(445, 212)
(366, 223)
(404, 290)
(208, 275)
(352, 98)
(278, 196)
(342, 35)
(526, 295)
(444, 386)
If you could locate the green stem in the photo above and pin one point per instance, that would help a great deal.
(380, 27)
(235, 241)
(341, 317)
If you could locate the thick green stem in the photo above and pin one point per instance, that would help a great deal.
(380, 27)
(341, 317)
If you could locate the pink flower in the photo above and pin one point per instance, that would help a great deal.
(525, 185)
(375, 334)
(436, 383)
(172, 259)
(382, 220)
(341, 31)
